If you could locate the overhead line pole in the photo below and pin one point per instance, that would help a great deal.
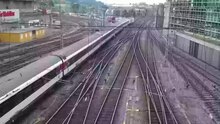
(61, 26)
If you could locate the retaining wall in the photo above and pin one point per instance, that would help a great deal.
(204, 51)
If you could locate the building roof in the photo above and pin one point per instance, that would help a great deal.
(22, 30)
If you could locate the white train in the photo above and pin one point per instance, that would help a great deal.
(35, 79)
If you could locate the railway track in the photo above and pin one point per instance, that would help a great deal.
(189, 62)
(106, 113)
(105, 99)
(209, 97)
(67, 116)
(93, 104)
(159, 111)
(79, 117)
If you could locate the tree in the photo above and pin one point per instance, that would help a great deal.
(125, 13)
(116, 12)
(131, 13)
(75, 7)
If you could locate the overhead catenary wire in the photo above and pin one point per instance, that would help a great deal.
(132, 27)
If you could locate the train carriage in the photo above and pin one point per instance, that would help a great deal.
(47, 71)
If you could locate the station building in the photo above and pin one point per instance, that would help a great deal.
(22, 35)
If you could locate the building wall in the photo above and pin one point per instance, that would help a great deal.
(16, 37)
(207, 53)
(7, 37)
(183, 44)
(22, 37)
(166, 18)
(40, 33)
(196, 16)
(27, 36)
(160, 16)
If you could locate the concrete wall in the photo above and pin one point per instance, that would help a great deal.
(16, 37)
(209, 55)
(207, 52)
(183, 44)
(166, 18)
(40, 33)
(160, 16)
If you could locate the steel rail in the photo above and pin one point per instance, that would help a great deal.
(72, 94)
(146, 87)
(165, 101)
(112, 85)
(111, 49)
(63, 104)
(95, 87)
(167, 105)
(158, 88)
(192, 64)
(152, 67)
(116, 47)
(121, 89)
(146, 79)
(80, 97)
(69, 117)
(201, 89)
(211, 100)
(175, 59)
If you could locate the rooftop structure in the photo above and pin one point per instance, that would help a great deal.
(200, 17)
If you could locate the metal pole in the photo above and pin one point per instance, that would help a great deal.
(61, 26)
(156, 16)
(103, 18)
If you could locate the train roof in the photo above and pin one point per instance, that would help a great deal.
(13, 80)
(22, 30)
(10, 82)
(18, 77)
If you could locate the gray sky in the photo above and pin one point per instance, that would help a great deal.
(131, 1)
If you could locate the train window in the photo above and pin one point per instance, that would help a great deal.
(20, 96)
(38, 84)
(82, 53)
(5, 107)
(78, 56)
(11, 103)
(51, 74)
(28, 91)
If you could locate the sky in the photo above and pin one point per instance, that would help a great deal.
(131, 1)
